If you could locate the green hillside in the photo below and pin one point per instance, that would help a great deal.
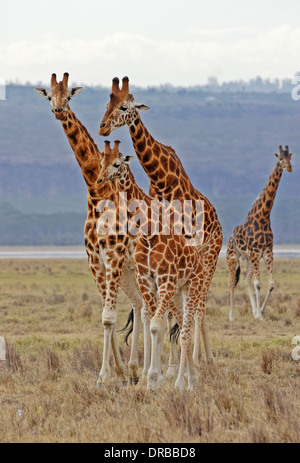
(225, 137)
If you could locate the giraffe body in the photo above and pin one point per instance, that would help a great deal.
(110, 257)
(253, 240)
(169, 273)
(168, 179)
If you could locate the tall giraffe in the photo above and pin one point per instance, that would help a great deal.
(115, 267)
(168, 179)
(253, 239)
(169, 271)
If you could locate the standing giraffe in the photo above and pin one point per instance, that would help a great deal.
(116, 268)
(168, 180)
(254, 239)
(169, 271)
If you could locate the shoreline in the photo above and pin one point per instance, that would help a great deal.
(78, 252)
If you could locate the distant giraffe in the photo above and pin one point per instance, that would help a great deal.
(115, 268)
(254, 239)
(168, 179)
(169, 270)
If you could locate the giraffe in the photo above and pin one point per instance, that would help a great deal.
(169, 271)
(253, 240)
(168, 180)
(117, 268)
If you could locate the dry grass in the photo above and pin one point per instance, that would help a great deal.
(51, 318)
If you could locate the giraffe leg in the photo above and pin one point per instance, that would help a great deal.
(148, 292)
(98, 270)
(147, 341)
(155, 377)
(210, 260)
(197, 347)
(173, 358)
(248, 280)
(233, 266)
(191, 302)
(207, 346)
(268, 258)
(257, 283)
(129, 287)
(109, 319)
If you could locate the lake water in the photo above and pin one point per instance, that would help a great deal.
(78, 252)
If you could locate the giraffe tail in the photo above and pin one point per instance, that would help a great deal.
(128, 328)
(237, 275)
(174, 333)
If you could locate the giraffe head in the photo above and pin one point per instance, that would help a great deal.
(113, 164)
(121, 108)
(59, 95)
(284, 158)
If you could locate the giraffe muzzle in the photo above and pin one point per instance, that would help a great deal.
(104, 131)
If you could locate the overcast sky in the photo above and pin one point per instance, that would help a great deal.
(153, 42)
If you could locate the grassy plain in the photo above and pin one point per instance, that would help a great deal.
(51, 318)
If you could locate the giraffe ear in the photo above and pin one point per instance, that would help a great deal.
(292, 154)
(128, 159)
(75, 91)
(276, 155)
(42, 92)
(141, 107)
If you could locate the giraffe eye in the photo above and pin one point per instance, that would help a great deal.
(123, 108)
(116, 166)
(49, 98)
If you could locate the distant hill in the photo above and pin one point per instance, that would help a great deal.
(224, 136)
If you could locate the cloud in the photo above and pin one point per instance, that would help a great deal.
(235, 53)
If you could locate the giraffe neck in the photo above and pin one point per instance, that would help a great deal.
(86, 151)
(128, 185)
(266, 198)
(160, 162)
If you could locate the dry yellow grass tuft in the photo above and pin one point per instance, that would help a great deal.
(50, 316)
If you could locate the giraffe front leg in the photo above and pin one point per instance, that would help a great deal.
(186, 355)
(129, 286)
(98, 270)
(155, 377)
(105, 372)
(109, 319)
(148, 292)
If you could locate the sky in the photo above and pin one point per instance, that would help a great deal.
(152, 42)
